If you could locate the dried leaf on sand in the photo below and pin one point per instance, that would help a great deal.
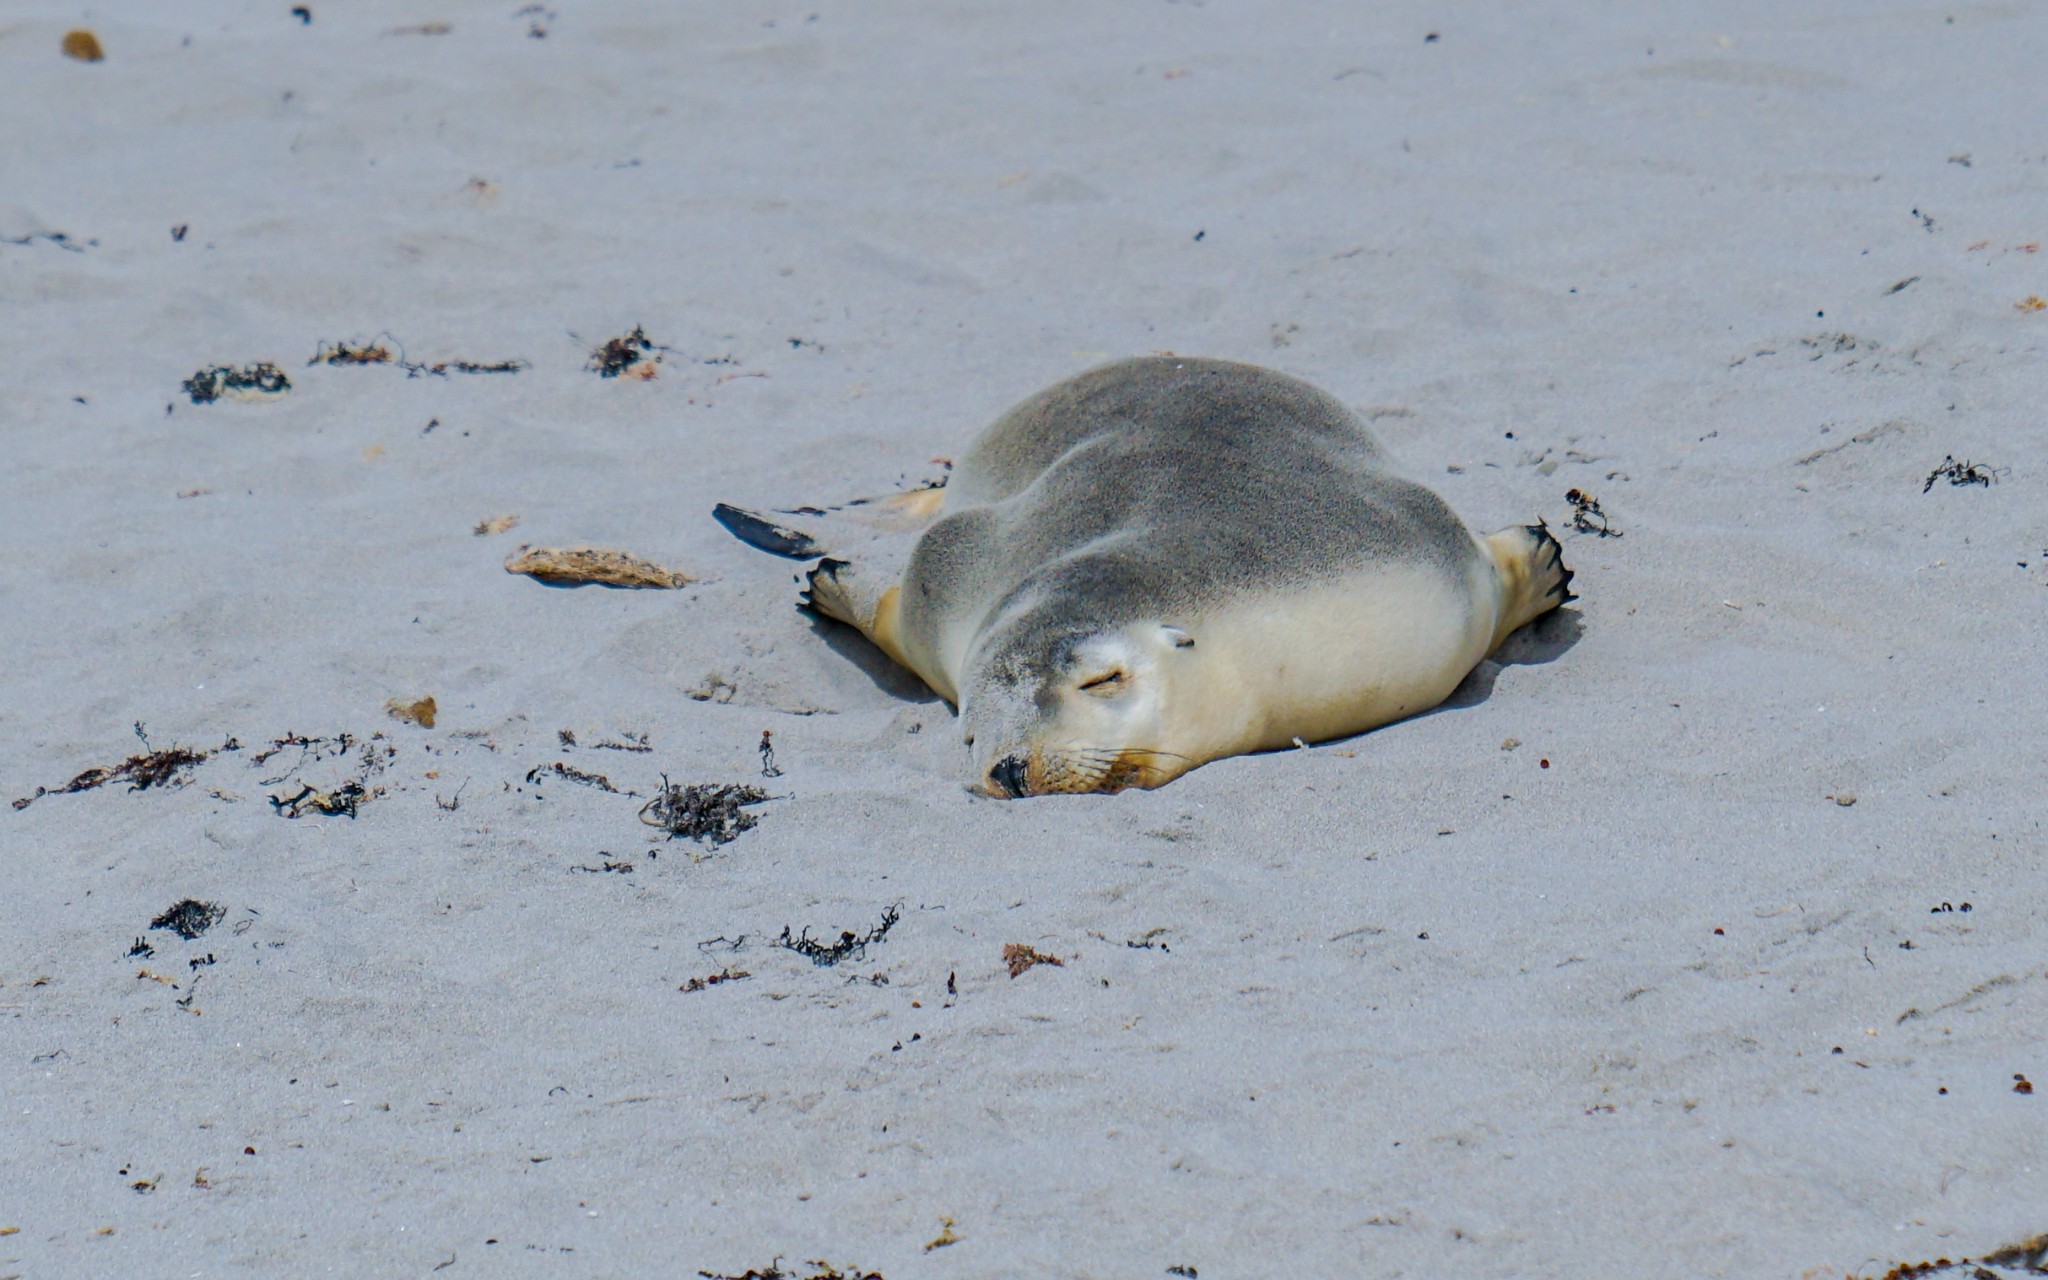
(82, 45)
(420, 711)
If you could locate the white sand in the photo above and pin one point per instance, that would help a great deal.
(1609, 230)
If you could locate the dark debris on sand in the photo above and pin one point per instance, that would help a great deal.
(2029, 1257)
(310, 751)
(727, 974)
(164, 768)
(1962, 473)
(850, 946)
(774, 1271)
(378, 351)
(261, 379)
(342, 802)
(622, 354)
(446, 367)
(188, 919)
(570, 772)
(372, 352)
(704, 811)
(1587, 517)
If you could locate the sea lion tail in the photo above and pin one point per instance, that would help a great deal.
(1529, 561)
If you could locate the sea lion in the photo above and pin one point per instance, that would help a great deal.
(1164, 561)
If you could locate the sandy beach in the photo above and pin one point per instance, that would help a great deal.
(1701, 933)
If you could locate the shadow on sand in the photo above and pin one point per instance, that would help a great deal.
(1543, 641)
(873, 663)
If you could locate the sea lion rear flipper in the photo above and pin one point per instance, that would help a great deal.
(901, 512)
(1529, 561)
(837, 526)
(763, 534)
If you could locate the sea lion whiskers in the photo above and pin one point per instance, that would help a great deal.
(1104, 769)
(1113, 754)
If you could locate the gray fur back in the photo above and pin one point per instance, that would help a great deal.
(1158, 484)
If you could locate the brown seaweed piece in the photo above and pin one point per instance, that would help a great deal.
(727, 974)
(1019, 957)
(152, 768)
(574, 566)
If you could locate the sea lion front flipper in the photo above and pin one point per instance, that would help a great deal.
(863, 599)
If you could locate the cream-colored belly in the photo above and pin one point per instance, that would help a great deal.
(1334, 660)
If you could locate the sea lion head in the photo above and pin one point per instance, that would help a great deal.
(1054, 706)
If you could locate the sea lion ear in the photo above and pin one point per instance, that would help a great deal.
(1178, 638)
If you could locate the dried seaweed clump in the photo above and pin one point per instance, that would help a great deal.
(851, 945)
(260, 381)
(164, 768)
(372, 352)
(2031, 1254)
(703, 811)
(727, 974)
(442, 369)
(188, 919)
(1962, 473)
(2027, 1257)
(1019, 957)
(582, 776)
(575, 566)
(633, 353)
(342, 802)
(1586, 512)
(774, 1271)
(376, 351)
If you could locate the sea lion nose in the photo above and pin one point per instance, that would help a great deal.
(1008, 776)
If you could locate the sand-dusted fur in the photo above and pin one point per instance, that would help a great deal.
(1163, 561)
